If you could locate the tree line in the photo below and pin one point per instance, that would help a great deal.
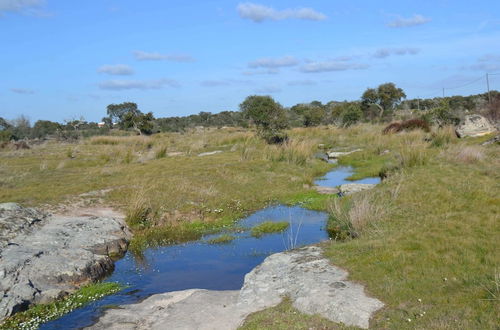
(380, 104)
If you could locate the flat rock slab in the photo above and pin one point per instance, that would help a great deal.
(16, 220)
(56, 258)
(327, 190)
(314, 285)
(209, 153)
(337, 154)
(351, 188)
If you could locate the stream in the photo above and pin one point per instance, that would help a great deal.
(202, 265)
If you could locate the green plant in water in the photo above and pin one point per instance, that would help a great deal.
(269, 227)
(223, 239)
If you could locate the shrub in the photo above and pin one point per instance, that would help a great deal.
(392, 128)
(407, 125)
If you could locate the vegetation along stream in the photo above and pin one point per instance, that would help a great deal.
(216, 262)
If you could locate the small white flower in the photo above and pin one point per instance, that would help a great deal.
(409, 320)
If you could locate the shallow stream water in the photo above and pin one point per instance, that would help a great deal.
(202, 265)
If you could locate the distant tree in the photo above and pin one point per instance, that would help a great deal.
(268, 115)
(5, 133)
(117, 111)
(4, 125)
(351, 114)
(383, 99)
(108, 122)
(140, 122)
(20, 128)
(43, 128)
(312, 114)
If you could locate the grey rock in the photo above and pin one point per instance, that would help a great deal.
(351, 188)
(16, 220)
(209, 153)
(314, 285)
(475, 125)
(327, 190)
(56, 258)
(337, 154)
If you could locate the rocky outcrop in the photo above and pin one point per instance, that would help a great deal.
(337, 154)
(313, 284)
(55, 258)
(351, 188)
(475, 125)
(16, 220)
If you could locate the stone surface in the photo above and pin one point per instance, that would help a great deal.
(16, 220)
(475, 125)
(327, 190)
(314, 285)
(351, 188)
(209, 153)
(56, 257)
(337, 154)
(495, 140)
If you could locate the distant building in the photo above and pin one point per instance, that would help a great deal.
(101, 124)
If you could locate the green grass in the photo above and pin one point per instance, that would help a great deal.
(39, 314)
(269, 227)
(284, 316)
(222, 239)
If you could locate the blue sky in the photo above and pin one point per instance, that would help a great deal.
(65, 59)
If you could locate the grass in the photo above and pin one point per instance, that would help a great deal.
(39, 314)
(269, 227)
(222, 239)
(285, 316)
(426, 238)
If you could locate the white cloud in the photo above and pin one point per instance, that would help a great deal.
(145, 56)
(258, 72)
(489, 58)
(214, 83)
(117, 69)
(268, 62)
(137, 84)
(259, 13)
(19, 5)
(327, 66)
(410, 21)
(24, 91)
(386, 52)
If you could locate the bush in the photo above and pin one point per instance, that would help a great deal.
(351, 115)
(407, 125)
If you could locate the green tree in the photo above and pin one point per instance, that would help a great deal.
(351, 114)
(117, 111)
(42, 128)
(383, 99)
(139, 122)
(268, 115)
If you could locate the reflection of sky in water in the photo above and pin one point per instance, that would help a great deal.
(338, 176)
(201, 265)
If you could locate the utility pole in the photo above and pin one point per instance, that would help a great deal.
(488, 87)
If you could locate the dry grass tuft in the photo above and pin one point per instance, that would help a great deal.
(468, 154)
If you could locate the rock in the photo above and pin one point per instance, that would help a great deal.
(209, 153)
(495, 140)
(321, 155)
(327, 190)
(313, 284)
(475, 125)
(175, 153)
(337, 154)
(351, 188)
(56, 257)
(16, 220)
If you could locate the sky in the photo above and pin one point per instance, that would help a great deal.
(61, 60)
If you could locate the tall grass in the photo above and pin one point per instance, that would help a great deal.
(294, 151)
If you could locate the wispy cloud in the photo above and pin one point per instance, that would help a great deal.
(268, 62)
(301, 83)
(146, 56)
(327, 66)
(409, 21)
(214, 83)
(259, 72)
(268, 90)
(27, 7)
(259, 13)
(24, 91)
(117, 69)
(386, 52)
(488, 62)
(137, 84)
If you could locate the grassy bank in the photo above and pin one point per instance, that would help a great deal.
(426, 240)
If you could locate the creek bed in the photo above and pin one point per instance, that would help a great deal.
(202, 265)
